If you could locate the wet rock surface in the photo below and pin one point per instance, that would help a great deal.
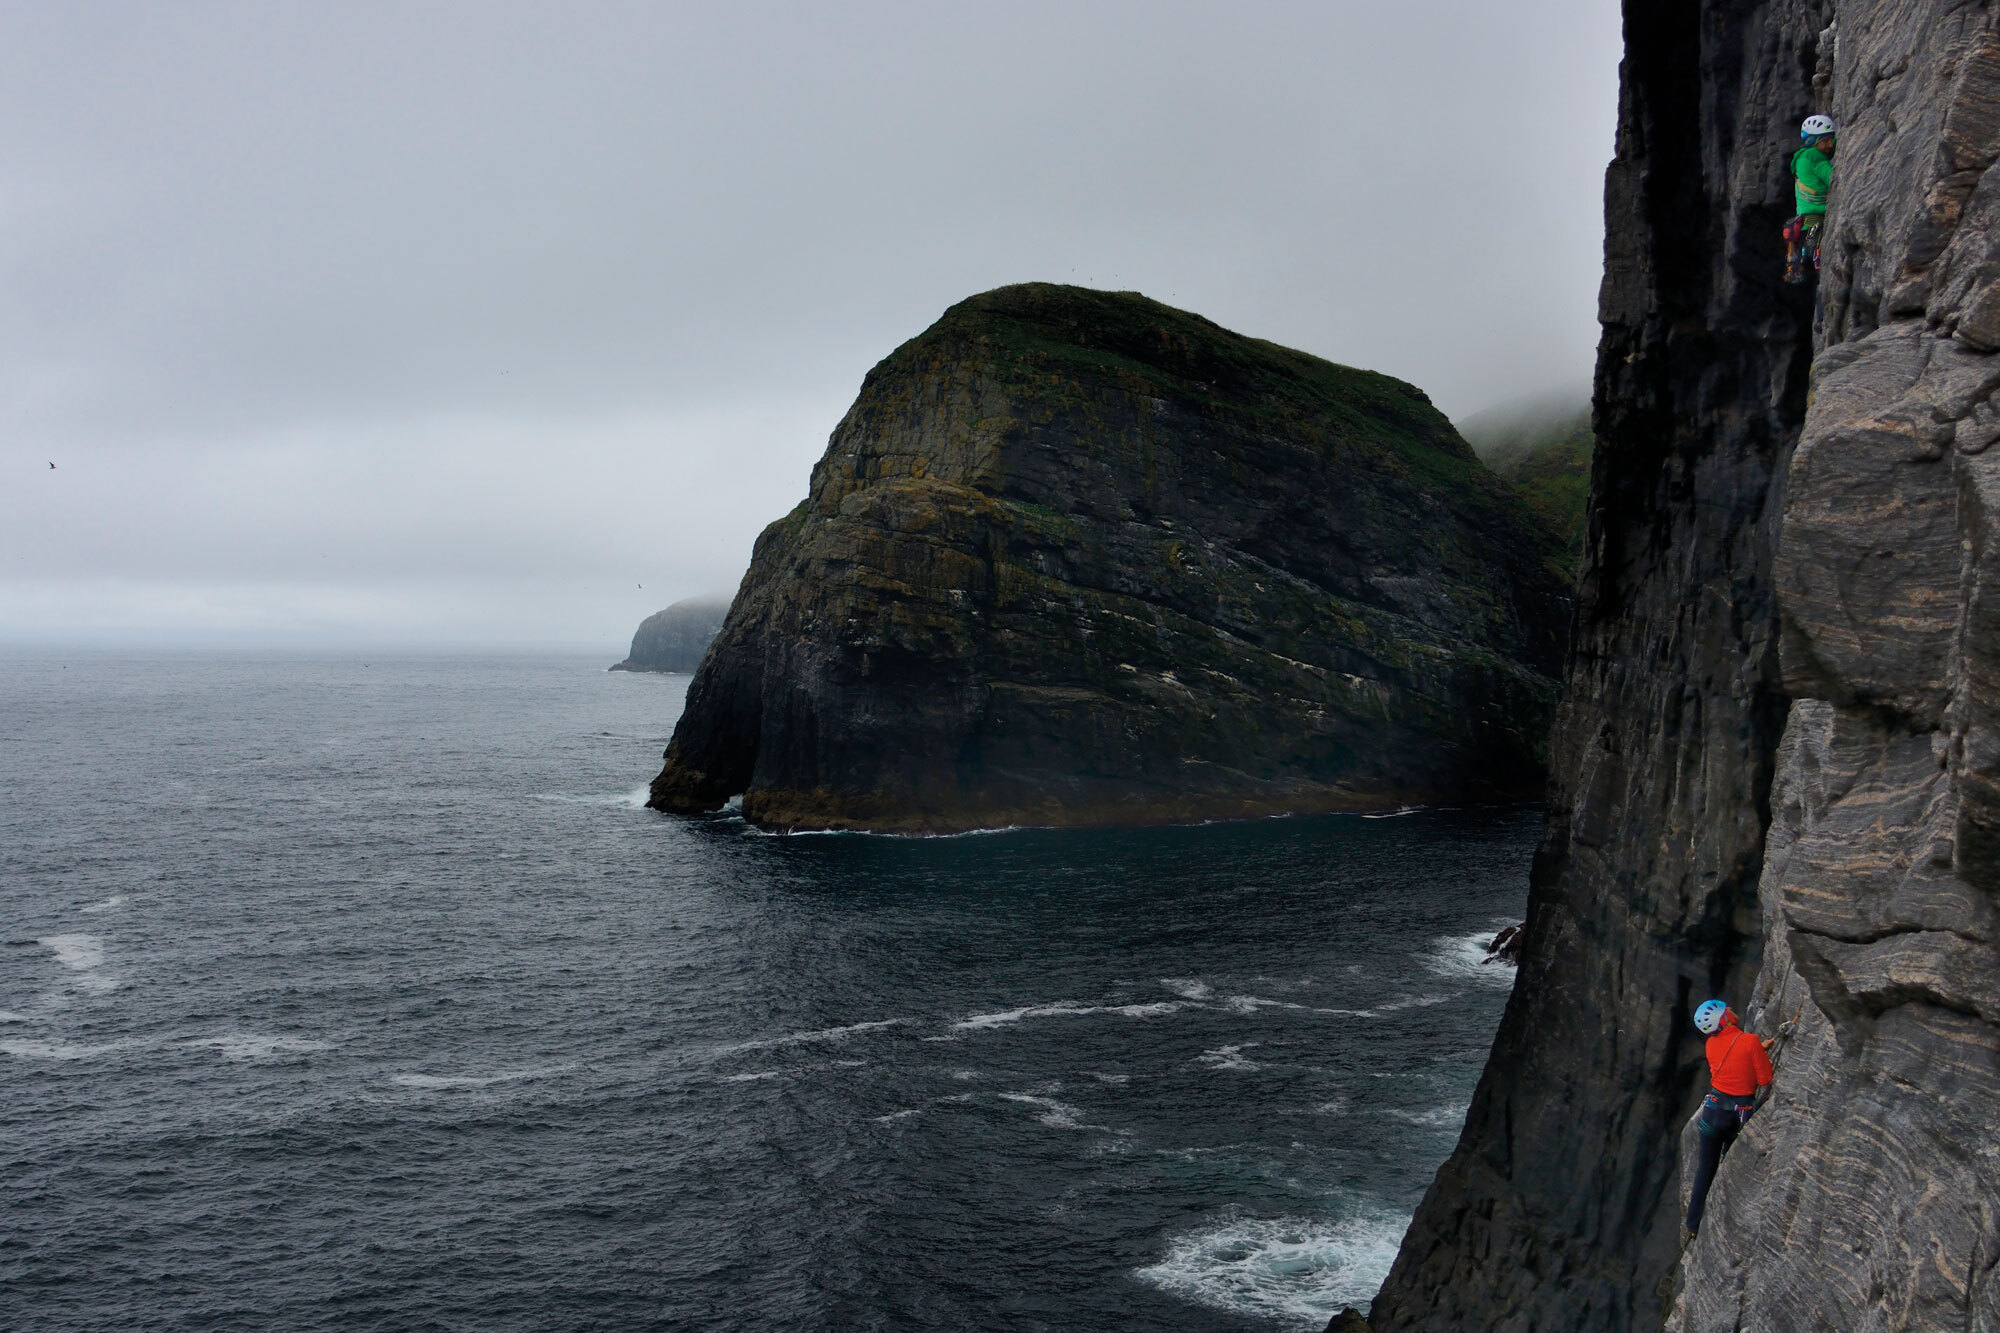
(676, 639)
(1075, 557)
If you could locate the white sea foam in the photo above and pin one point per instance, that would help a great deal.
(1396, 814)
(1438, 1117)
(1055, 1114)
(116, 900)
(1064, 1009)
(256, 1046)
(60, 1050)
(894, 1116)
(1464, 957)
(624, 800)
(1229, 1057)
(1407, 1002)
(824, 1034)
(83, 955)
(78, 953)
(1186, 989)
(757, 1077)
(873, 833)
(1250, 1004)
(435, 1082)
(1337, 1106)
(8, 1016)
(1115, 1080)
(1297, 1270)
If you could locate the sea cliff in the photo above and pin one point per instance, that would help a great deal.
(677, 638)
(1776, 776)
(1077, 557)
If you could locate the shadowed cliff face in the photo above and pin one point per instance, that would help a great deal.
(1842, 870)
(1076, 557)
(1558, 1208)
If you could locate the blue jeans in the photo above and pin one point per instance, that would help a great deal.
(1721, 1119)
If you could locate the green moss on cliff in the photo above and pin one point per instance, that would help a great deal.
(1070, 338)
(1543, 451)
(1079, 557)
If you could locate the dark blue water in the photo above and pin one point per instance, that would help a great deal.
(354, 993)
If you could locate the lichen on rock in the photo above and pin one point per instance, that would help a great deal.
(1076, 557)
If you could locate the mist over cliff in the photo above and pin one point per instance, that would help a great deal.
(676, 639)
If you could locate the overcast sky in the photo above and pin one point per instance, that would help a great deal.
(457, 323)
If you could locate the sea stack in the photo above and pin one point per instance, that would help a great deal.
(1076, 557)
(676, 638)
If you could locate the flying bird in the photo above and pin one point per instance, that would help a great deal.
(52, 467)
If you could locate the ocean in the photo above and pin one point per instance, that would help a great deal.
(361, 992)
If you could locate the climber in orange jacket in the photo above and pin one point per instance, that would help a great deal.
(1738, 1065)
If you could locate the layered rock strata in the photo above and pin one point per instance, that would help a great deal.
(1840, 870)
(1075, 557)
(1866, 1193)
(677, 638)
(1558, 1208)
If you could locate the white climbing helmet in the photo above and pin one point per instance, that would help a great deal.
(1708, 1015)
(1815, 126)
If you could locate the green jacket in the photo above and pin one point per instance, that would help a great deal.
(1812, 175)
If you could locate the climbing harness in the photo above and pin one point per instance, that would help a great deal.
(1801, 249)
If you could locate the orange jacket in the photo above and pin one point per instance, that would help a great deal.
(1736, 1062)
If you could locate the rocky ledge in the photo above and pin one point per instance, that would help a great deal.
(1076, 557)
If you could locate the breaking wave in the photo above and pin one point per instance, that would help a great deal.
(1464, 958)
(1296, 1270)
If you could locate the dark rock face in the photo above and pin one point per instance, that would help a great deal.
(1878, 1155)
(1076, 557)
(676, 639)
(1839, 872)
(1558, 1208)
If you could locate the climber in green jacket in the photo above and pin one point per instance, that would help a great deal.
(1812, 179)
